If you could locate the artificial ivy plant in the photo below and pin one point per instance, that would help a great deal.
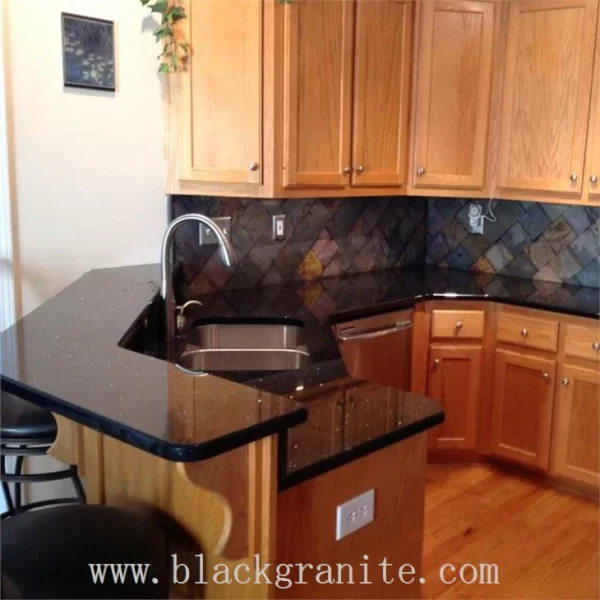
(174, 50)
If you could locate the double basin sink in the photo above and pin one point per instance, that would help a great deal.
(243, 346)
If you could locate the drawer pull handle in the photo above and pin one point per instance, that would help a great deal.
(546, 376)
(524, 332)
(565, 381)
(436, 362)
(459, 325)
(596, 346)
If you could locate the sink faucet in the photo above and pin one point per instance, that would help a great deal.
(226, 252)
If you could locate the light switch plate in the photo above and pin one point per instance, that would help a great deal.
(207, 235)
(354, 514)
(278, 228)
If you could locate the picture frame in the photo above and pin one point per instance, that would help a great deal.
(88, 47)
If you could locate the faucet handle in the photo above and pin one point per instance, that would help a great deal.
(181, 320)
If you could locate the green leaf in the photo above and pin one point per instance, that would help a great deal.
(177, 13)
(159, 6)
(164, 68)
(163, 31)
(144, 2)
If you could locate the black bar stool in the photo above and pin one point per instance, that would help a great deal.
(29, 430)
(47, 553)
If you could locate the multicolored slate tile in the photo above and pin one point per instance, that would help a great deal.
(539, 241)
(324, 238)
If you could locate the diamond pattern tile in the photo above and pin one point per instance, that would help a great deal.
(325, 238)
(539, 241)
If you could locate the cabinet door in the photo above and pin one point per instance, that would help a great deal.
(576, 437)
(453, 93)
(317, 93)
(220, 111)
(454, 380)
(382, 91)
(548, 77)
(593, 148)
(522, 407)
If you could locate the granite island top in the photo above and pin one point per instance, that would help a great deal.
(66, 356)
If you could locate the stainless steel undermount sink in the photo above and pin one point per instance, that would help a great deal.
(244, 347)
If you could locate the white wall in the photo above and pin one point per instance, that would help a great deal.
(88, 165)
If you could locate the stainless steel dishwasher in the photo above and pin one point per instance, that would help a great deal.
(378, 348)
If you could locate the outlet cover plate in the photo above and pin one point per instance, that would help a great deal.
(207, 235)
(354, 514)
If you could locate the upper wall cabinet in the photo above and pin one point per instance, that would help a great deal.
(547, 87)
(592, 177)
(219, 103)
(318, 93)
(454, 80)
(346, 82)
(289, 99)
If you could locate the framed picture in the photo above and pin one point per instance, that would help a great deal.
(88, 52)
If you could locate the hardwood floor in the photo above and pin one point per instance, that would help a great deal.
(545, 542)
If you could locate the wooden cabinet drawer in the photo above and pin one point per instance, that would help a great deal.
(530, 332)
(457, 324)
(582, 341)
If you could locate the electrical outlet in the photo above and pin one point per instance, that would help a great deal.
(475, 218)
(354, 514)
(278, 228)
(207, 235)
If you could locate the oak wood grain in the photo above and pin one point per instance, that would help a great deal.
(522, 407)
(456, 51)
(457, 324)
(382, 70)
(576, 433)
(547, 90)
(455, 380)
(318, 65)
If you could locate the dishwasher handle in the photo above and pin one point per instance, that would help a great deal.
(377, 333)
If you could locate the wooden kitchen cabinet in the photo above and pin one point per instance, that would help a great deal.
(576, 435)
(218, 103)
(547, 87)
(347, 93)
(522, 407)
(382, 77)
(592, 175)
(318, 93)
(282, 100)
(455, 380)
(454, 81)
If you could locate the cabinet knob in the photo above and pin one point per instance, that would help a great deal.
(253, 166)
(596, 346)
(459, 325)
(420, 171)
(565, 381)
(593, 179)
(573, 177)
(546, 376)
(347, 170)
(436, 362)
(524, 332)
(360, 169)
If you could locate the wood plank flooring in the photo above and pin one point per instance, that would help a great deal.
(545, 542)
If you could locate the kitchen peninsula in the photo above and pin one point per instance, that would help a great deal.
(249, 464)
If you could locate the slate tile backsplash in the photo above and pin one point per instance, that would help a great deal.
(546, 242)
(328, 238)
(324, 238)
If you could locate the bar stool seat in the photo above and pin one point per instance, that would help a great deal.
(46, 553)
(23, 420)
(29, 430)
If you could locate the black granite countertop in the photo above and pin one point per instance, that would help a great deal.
(66, 356)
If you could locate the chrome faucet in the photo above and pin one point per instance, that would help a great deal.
(226, 252)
